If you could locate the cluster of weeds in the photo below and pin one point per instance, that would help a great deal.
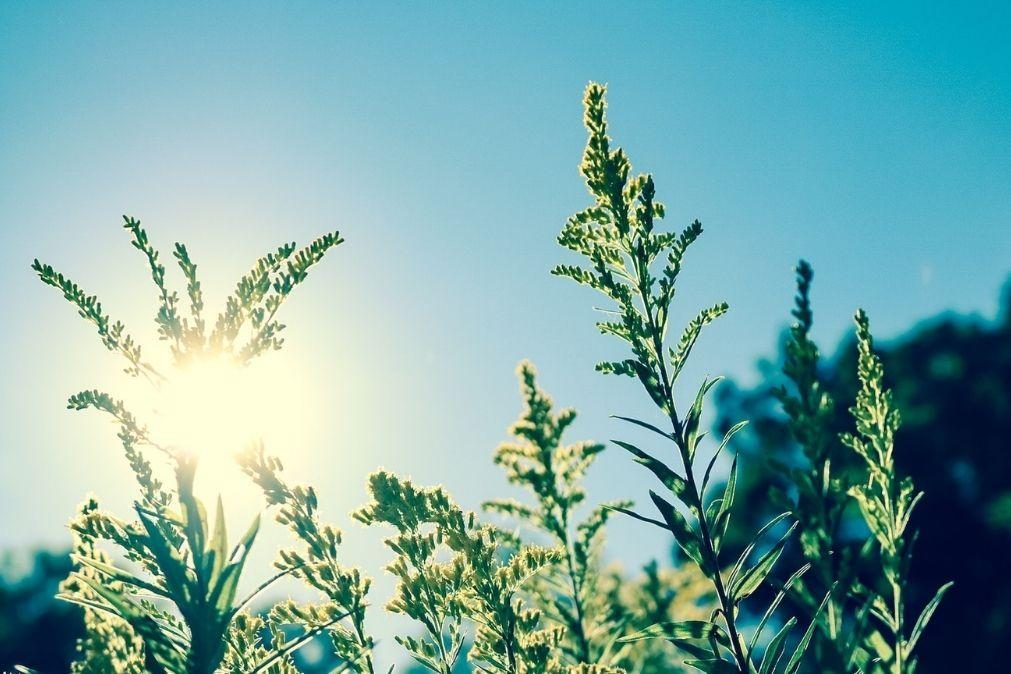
(527, 588)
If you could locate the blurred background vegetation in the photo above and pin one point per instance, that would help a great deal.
(951, 377)
(952, 381)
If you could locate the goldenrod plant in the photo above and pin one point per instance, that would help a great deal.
(317, 564)
(861, 630)
(845, 640)
(593, 605)
(553, 472)
(886, 502)
(636, 266)
(536, 598)
(527, 591)
(175, 607)
(452, 568)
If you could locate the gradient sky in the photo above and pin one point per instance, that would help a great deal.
(443, 140)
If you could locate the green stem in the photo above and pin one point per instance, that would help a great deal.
(584, 643)
(726, 605)
(898, 610)
(363, 641)
(712, 557)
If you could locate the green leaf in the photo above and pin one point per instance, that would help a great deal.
(774, 651)
(222, 594)
(749, 581)
(678, 631)
(694, 416)
(170, 561)
(685, 536)
(652, 384)
(793, 664)
(694, 650)
(777, 600)
(925, 616)
(119, 575)
(635, 515)
(646, 425)
(719, 450)
(746, 553)
(218, 545)
(161, 656)
(691, 333)
(713, 666)
(730, 490)
(667, 476)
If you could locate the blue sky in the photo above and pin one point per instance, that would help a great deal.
(443, 140)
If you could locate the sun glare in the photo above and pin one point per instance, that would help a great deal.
(214, 407)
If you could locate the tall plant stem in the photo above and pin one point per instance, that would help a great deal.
(580, 628)
(897, 609)
(726, 605)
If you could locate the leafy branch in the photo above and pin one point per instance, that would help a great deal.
(178, 611)
(113, 334)
(886, 501)
(617, 237)
(840, 645)
(480, 581)
(553, 473)
(253, 306)
(317, 564)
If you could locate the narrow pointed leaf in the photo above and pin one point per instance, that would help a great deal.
(925, 616)
(682, 630)
(635, 515)
(739, 565)
(750, 580)
(667, 476)
(719, 450)
(774, 651)
(679, 527)
(777, 600)
(793, 664)
(713, 666)
(645, 425)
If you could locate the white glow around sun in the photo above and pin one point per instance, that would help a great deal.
(213, 407)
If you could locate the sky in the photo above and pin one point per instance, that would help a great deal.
(442, 140)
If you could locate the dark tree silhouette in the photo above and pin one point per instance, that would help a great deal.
(35, 628)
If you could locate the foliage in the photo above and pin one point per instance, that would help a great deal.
(538, 599)
(594, 606)
(317, 565)
(429, 591)
(659, 595)
(886, 502)
(617, 236)
(944, 377)
(530, 607)
(480, 581)
(177, 609)
(819, 500)
(553, 472)
(109, 643)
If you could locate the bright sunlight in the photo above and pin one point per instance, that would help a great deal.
(213, 407)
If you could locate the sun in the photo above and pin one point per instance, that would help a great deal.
(214, 407)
